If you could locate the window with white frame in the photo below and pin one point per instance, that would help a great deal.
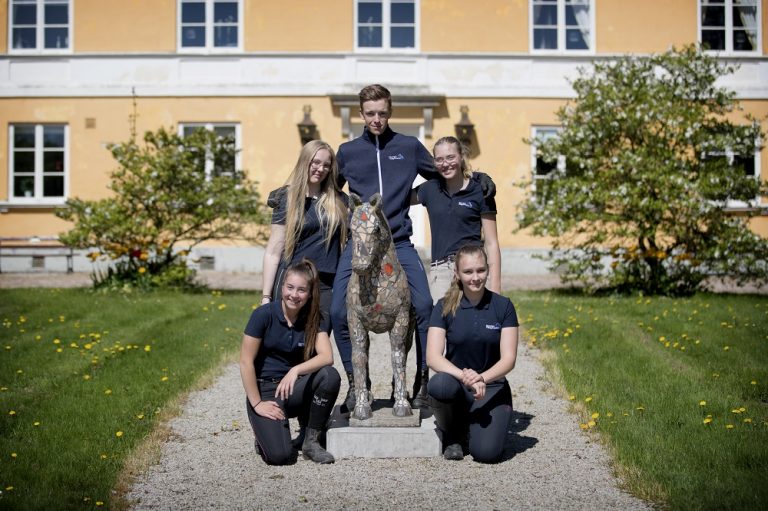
(39, 25)
(38, 162)
(386, 24)
(544, 169)
(748, 164)
(210, 25)
(562, 26)
(221, 164)
(731, 26)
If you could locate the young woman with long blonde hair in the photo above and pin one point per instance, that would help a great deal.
(309, 220)
(471, 346)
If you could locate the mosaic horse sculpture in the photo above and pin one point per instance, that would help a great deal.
(378, 300)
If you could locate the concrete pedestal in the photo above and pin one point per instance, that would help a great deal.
(382, 436)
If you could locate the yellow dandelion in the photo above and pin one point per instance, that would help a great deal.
(595, 415)
(583, 426)
(591, 424)
(571, 397)
(707, 420)
(36, 423)
(729, 426)
(59, 350)
(119, 434)
(588, 399)
(103, 456)
(86, 376)
(9, 488)
(19, 371)
(14, 455)
(140, 416)
(107, 391)
(99, 503)
(640, 408)
(12, 412)
(702, 403)
(142, 270)
(164, 378)
(147, 348)
(753, 382)
(748, 420)
(726, 348)
(222, 306)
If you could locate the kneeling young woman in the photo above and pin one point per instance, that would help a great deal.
(286, 364)
(472, 345)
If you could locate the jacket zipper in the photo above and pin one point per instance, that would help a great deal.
(378, 164)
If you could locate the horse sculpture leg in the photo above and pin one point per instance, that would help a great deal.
(398, 341)
(360, 345)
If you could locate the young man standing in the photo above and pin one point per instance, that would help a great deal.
(382, 161)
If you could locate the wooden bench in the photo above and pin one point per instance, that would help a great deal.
(37, 249)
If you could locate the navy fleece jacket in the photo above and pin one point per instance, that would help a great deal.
(387, 164)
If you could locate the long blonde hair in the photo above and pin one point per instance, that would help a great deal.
(453, 296)
(331, 210)
(311, 309)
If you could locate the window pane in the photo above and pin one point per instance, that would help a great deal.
(369, 37)
(403, 13)
(225, 12)
(225, 37)
(188, 130)
(745, 17)
(53, 136)
(24, 14)
(545, 38)
(545, 15)
(744, 40)
(225, 131)
(402, 37)
(23, 136)
(53, 161)
(193, 12)
(53, 186)
(23, 186)
(747, 163)
(24, 38)
(193, 37)
(576, 40)
(369, 12)
(23, 161)
(57, 38)
(56, 14)
(712, 16)
(543, 168)
(713, 39)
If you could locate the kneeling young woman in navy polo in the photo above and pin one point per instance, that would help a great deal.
(472, 345)
(286, 364)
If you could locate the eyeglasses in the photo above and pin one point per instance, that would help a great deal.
(320, 164)
(447, 159)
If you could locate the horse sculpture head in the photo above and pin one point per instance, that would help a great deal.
(370, 232)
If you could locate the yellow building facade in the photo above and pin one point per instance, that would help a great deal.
(70, 71)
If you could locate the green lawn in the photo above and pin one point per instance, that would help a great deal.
(677, 388)
(84, 377)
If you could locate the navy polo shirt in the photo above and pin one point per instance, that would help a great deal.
(473, 335)
(455, 220)
(311, 239)
(282, 346)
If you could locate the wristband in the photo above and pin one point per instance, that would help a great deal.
(481, 378)
(268, 297)
(257, 404)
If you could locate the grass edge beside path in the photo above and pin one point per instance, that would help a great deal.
(148, 451)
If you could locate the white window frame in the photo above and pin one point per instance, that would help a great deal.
(561, 31)
(37, 197)
(729, 156)
(39, 26)
(209, 126)
(553, 131)
(209, 30)
(386, 26)
(729, 28)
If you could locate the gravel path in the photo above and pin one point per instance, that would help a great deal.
(210, 463)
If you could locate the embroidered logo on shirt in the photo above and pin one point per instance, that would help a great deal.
(496, 326)
(466, 204)
(396, 157)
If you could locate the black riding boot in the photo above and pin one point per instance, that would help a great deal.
(312, 450)
(451, 420)
(420, 389)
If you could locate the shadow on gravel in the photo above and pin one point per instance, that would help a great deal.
(516, 443)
